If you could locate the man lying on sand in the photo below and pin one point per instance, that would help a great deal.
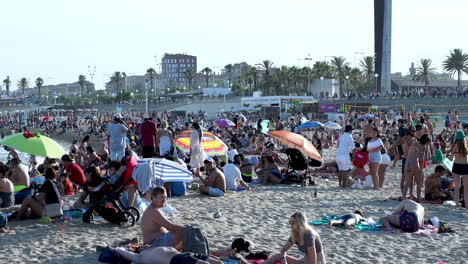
(157, 230)
(408, 216)
(348, 220)
(166, 255)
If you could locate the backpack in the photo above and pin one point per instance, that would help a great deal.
(193, 240)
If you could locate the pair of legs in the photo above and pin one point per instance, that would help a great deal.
(267, 177)
(412, 175)
(30, 203)
(163, 255)
(132, 192)
(342, 178)
(381, 173)
(277, 257)
(458, 179)
(374, 171)
(390, 221)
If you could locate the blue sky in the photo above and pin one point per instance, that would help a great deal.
(57, 40)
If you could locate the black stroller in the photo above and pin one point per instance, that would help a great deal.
(112, 209)
(298, 162)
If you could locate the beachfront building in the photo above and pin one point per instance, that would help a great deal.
(56, 90)
(285, 103)
(174, 67)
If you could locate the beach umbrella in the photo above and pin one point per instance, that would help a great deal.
(310, 124)
(34, 143)
(212, 145)
(225, 122)
(368, 116)
(332, 125)
(294, 140)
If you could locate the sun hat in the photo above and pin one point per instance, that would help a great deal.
(460, 135)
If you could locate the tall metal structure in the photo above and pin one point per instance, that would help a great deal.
(383, 44)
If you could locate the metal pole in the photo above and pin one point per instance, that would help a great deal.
(146, 98)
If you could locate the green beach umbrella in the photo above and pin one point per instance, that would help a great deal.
(34, 143)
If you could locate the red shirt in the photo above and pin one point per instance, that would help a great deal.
(77, 175)
(130, 164)
(148, 130)
(68, 187)
(360, 159)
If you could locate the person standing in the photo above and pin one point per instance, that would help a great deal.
(165, 139)
(197, 154)
(374, 146)
(459, 152)
(148, 131)
(343, 160)
(116, 133)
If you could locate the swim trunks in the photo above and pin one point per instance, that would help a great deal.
(409, 222)
(187, 258)
(164, 240)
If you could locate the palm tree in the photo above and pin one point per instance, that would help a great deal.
(229, 69)
(456, 62)
(267, 65)
(7, 83)
(116, 79)
(322, 69)
(206, 73)
(339, 64)
(189, 75)
(252, 72)
(355, 78)
(151, 75)
(424, 72)
(23, 84)
(367, 64)
(81, 82)
(39, 83)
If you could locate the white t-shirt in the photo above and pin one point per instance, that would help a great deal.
(231, 154)
(374, 144)
(232, 175)
(346, 144)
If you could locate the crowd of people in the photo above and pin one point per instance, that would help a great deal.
(111, 144)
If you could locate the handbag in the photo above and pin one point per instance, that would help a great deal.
(55, 209)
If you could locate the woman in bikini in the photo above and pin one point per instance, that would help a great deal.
(459, 155)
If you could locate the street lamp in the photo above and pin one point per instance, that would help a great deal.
(321, 82)
(308, 59)
(376, 76)
(146, 97)
(347, 82)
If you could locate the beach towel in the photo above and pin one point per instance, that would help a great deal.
(362, 226)
(425, 230)
(418, 201)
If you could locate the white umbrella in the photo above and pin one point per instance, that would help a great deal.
(332, 125)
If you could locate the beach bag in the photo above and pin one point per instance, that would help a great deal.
(193, 240)
(178, 189)
(55, 209)
(368, 182)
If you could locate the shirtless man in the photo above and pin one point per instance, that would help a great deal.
(270, 151)
(12, 153)
(19, 175)
(405, 143)
(7, 195)
(166, 255)
(215, 184)
(157, 230)
(432, 186)
(413, 170)
(408, 216)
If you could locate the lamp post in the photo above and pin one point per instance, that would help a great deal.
(308, 59)
(347, 83)
(146, 97)
(321, 82)
(376, 76)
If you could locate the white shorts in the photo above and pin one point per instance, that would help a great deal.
(344, 162)
(385, 159)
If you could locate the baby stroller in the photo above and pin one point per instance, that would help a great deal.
(111, 207)
(297, 162)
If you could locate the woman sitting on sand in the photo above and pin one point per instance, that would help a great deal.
(270, 172)
(307, 240)
(49, 193)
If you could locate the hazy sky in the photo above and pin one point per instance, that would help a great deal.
(58, 39)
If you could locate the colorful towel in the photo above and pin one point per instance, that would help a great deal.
(416, 200)
(426, 230)
(363, 226)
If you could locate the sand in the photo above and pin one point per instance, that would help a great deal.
(260, 215)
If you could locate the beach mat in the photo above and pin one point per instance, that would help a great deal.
(361, 226)
(418, 201)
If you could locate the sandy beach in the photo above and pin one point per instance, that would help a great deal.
(261, 216)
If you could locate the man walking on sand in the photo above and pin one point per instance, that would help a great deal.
(343, 160)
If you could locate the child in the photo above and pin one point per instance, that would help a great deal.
(67, 185)
(438, 155)
(113, 172)
(348, 220)
(386, 160)
(360, 159)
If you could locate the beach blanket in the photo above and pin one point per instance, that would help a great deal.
(416, 200)
(362, 226)
(425, 230)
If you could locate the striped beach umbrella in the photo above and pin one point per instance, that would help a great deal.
(310, 124)
(212, 145)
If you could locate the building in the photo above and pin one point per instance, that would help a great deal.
(58, 89)
(173, 68)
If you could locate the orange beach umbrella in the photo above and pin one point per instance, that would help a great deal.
(294, 140)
